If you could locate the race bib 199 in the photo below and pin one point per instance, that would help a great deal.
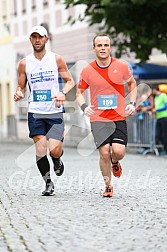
(107, 101)
(41, 95)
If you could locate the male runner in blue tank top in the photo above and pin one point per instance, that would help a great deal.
(42, 71)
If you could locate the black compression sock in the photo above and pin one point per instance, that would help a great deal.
(44, 167)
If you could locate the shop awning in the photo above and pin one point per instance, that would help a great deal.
(148, 71)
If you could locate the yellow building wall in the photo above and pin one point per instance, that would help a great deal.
(7, 65)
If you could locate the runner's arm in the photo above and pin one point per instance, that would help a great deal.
(88, 110)
(67, 77)
(22, 81)
(80, 96)
(132, 91)
(65, 74)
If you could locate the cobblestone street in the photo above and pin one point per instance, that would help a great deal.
(78, 218)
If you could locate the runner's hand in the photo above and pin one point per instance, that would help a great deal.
(59, 99)
(130, 110)
(89, 111)
(18, 95)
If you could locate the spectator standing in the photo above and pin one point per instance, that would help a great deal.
(144, 108)
(160, 109)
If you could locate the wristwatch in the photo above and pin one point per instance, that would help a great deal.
(64, 92)
(133, 103)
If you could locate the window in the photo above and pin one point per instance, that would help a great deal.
(4, 10)
(58, 16)
(16, 30)
(33, 4)
(9, 110)
(23, 6)
(45, 3)
(24, 27)
(15, 7)
(34, 21)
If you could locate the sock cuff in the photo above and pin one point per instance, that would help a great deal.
(39, 157)
(58, 157)
(114, 162)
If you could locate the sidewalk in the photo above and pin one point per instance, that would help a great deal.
(77, 218)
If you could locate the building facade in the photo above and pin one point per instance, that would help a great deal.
(74, 43)
(7, 70)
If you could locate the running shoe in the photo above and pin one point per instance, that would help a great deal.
(108, 191)
(49, 190)
(117, 169)
(58, 166)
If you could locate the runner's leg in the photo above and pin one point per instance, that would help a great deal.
(105, 163)
(41, 157)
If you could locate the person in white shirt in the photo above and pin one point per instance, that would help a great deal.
(43, 71)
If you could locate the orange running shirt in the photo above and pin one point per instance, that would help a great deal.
(105, 82)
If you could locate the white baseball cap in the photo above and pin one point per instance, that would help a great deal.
(40, 30)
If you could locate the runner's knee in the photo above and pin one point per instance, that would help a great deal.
(56, 152)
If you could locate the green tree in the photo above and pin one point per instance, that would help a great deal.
(139, 25)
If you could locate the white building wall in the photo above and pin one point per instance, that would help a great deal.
(60, 30)
(74, 43)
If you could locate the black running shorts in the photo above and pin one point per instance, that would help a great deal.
(109, 132)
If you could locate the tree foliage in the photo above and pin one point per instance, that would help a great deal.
(140, 25)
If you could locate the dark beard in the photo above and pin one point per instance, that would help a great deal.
(39, 50)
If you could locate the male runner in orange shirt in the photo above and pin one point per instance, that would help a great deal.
(106, 78)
